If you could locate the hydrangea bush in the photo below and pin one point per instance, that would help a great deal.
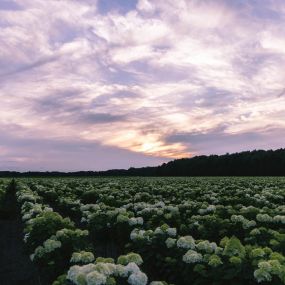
(187, 230)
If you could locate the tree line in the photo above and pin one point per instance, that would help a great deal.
(247, 163)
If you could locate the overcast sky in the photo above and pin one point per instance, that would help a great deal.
(88, 84)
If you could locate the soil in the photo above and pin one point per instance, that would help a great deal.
(15, 265)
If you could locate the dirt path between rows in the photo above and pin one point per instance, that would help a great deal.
(15, 265)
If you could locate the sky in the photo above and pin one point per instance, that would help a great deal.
(101, 84)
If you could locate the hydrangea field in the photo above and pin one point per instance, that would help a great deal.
(157, 231)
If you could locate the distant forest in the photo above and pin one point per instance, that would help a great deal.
(248, 163)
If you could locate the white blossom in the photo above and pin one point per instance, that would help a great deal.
(170, 242)
(132, 268)
(105, 268)
(137, 278)
(95, 278)
(186, 242)
(83, 256)
(279, 219)
(264, 218)
(121, 270)
(50, 245)
(171, 232)
(192, 256)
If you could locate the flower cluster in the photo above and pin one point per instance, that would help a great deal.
(170, 242)
(209, 209)
(246, 224)
(268, 268)
(83, 257)
(48, 246)
(135, 221)
(186, 242)
(163, 231)
(106, 273)
(101, 216)
(25, 194)
(129, 258)
(264, 218)
(192, 256)
(279, 219)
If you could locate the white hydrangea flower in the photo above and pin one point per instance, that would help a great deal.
(160, 204)
(76, 257)
(158, 231)
(172, 209)
(50, 245)
(95, 278)
(170, 242)
(122, 210)
(211, 208)
(139, 220)
(206, 246)
(279, 219)
(186, 242)
(132, 222)
(83, 256)
(48, 209)
(73, 272)
(39, 252)
(26, 217)
(88, 268)
(192, 256)
(254, 232)
(132, 257)
(61, 233)
(134, 234)
(261, 276)
(137, 235)
(264, 218)
(137, 278)
(202, 211)
(132, 268)
(87, 257)
(214, 246)
(83, 220)
(248, 224)
(26, 236)
(237, 218)
(219, 250)
(121, 270)
(106, 268)
(171, 232)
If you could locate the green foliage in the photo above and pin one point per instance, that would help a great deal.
(234, 247)
(215, 261)
(61, 280)
(44, 226)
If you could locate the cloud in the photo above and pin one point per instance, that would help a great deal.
(101, 118)
(218, 142)
(9, 5)
(132, 75)
(37, 154)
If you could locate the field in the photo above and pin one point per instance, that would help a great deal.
(138, 231)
